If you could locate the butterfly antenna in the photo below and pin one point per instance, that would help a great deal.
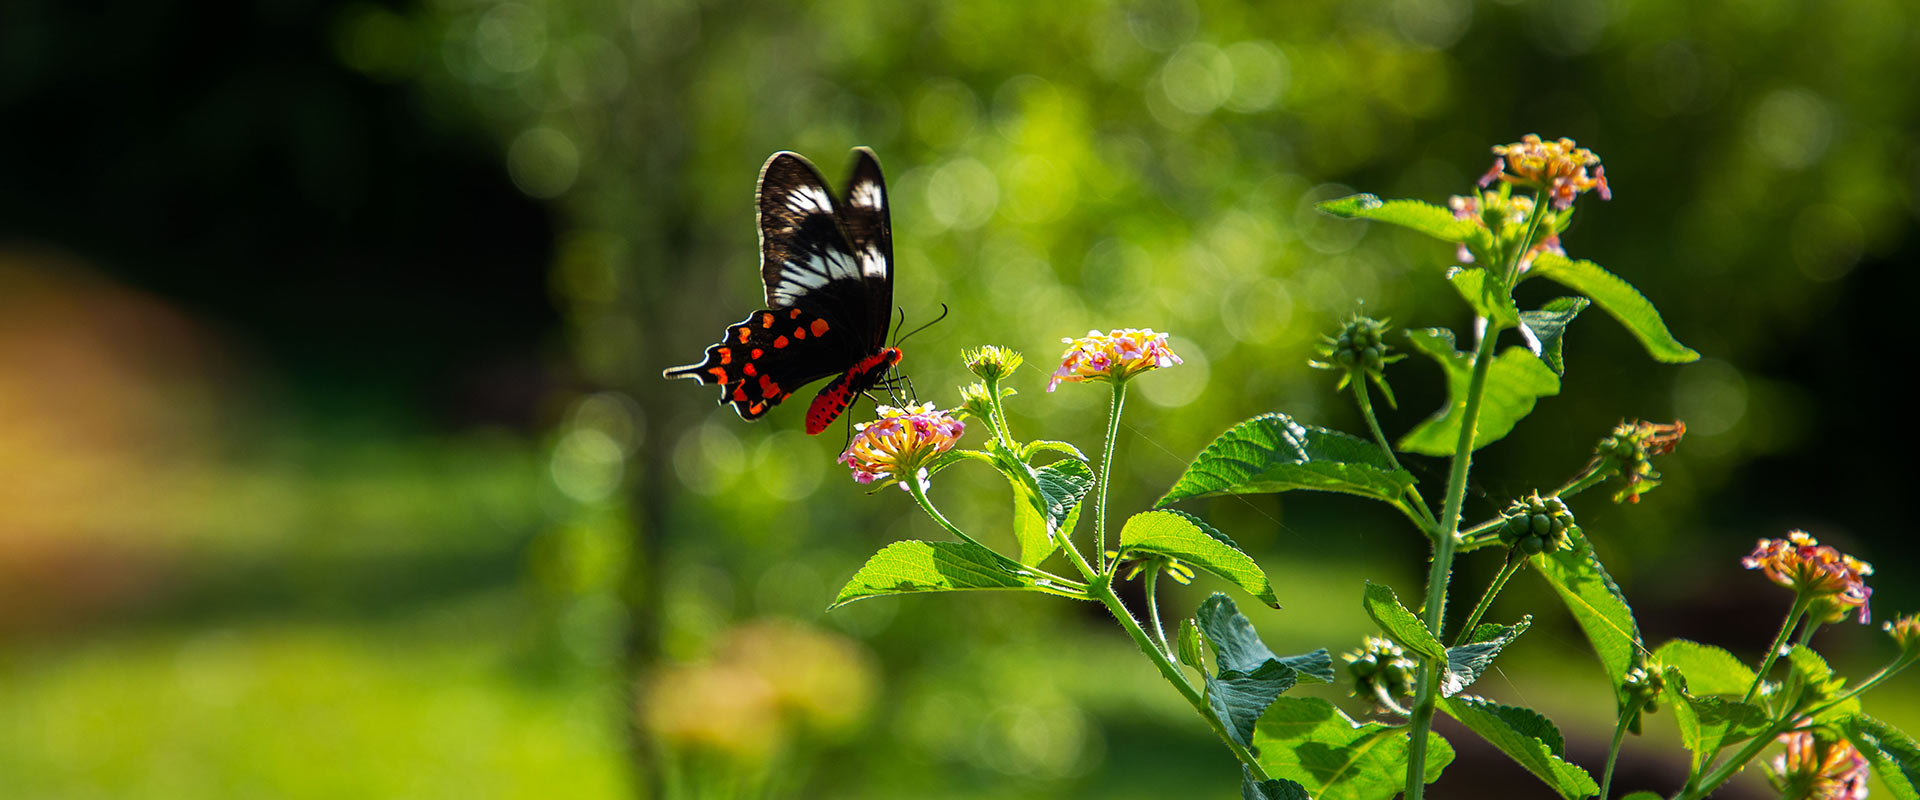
(944, 310)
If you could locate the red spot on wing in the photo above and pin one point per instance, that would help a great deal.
(749, 369)
(799, 333)
(744, 333)
(757, 353)
(779, 342)
(793, 314)
(819, 327)
(726, 355)
(766, 320)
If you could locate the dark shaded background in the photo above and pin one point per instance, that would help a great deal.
(339, 464)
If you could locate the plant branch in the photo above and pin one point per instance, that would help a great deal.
(1106, 468)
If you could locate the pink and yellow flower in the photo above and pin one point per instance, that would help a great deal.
(900, 442)
(1813, 769)
(1114, 356)
(1834, 580)
(1558, 168)
(1510, 214)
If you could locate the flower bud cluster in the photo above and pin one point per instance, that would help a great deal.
(1643, 685)
(1503, 221)
(1381, 671)
(1537, 525)
(1834, 581)
(1360, 348)
(1557, 168)
(1629, 450)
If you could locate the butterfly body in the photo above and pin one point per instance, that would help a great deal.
(827, 268)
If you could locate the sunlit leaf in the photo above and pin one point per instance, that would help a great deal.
(1892, 753)
(1596, 603)
(1399, 623)
(1618, 298)
(1709, 670)
(1308, 740)
(1274, 453)
(1710, 723)
(1426, 218)
(1040, 526)
(912, 567)
(1180, 535)
(1529, 739)
(1486, 294)
(1514, 381)
(1549, 324)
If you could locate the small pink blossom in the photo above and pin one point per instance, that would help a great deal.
(1114, 356)
(1814, 770)
(1558, 168)
(1835, 580)
(900, 442)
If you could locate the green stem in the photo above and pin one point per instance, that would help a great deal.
(1001, 430)
(1443, 549)
(1153, 607)
(1533, 229)
(1794, 614)
(1424, 518)
(1106, 468)
(1704, 786)
(1587, 479)
(1046, 582)
(1613, 752)
(1507, 570)
(1102, 590)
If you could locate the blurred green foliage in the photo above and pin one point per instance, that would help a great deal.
(1054, 168)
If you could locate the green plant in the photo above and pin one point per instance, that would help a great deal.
(1291, 747)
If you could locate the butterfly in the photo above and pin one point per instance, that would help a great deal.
(827, 268)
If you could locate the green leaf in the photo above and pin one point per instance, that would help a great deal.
(1590, 594)
(1250, 675)
(1270, 789)
(1190, 646)
(911, 567)
(1038, 522)
(1236, 645)
(1892, 753)
(1177, 534)
(1466, 662)
(1644, 795)
(1399, 623)
(1426, 218)
(1815, 679)
(1486, 293)
(1514, 381)
(1708, 724)
(1274, 453)
(1549, 327)
(1239, 698)
(1043, 445)
(1307, 739)
(1526, 737)
(1618, 298)
(1709, 670)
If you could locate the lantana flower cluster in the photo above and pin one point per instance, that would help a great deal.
(1115, 356)
(901, 442)
(1818, 768)
(1835, 581)
(1558, 168)
(1504, 217)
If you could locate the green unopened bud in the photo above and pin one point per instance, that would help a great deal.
(1536, 524)
(992, 362)
(974, 400)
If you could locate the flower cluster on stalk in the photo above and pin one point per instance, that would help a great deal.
(1558, 168)
(1629, 450)
(1381, 672)
(1115, 356)
(901, 443)
(1818, 767)
(1503, 220)
(1834, 581)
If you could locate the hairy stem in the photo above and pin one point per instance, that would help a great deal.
(1442, 569)
(1153, 607)
(1507, 570)
(1106, 468)
(1613, 751)
(1419, 513)
(1794, 614)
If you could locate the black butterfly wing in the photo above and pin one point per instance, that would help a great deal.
(808, 260)
(762, 359)
(828, 274)
(865, 218)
